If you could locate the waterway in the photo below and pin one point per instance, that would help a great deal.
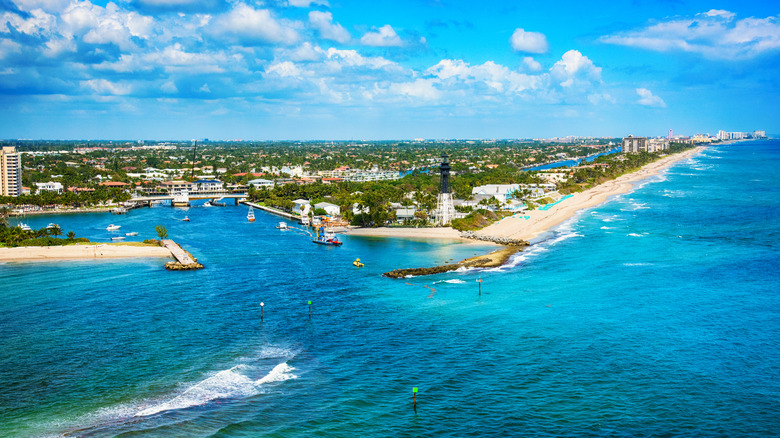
(656, 314)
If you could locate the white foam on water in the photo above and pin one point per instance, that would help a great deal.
(453, 281)
(635, 235)
(607, 228)
(637, 264)
(280, 373)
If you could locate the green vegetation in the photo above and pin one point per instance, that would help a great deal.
(162, 233)
(477, 220)
(15, 236)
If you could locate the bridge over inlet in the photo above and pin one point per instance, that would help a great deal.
(185, 198)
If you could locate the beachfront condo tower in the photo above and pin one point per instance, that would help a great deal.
(445, 211)
(10, 172)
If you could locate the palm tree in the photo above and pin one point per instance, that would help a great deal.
(71, 235)
(56, 231)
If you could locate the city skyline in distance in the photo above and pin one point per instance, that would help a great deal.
(319, 70)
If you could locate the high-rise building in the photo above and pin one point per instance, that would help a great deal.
(10, 172)
(634, 145)
(670, 136)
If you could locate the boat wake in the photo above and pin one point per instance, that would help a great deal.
(453, 281)
(236, 382)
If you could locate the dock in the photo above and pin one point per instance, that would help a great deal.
(272, 210)
(183, 260)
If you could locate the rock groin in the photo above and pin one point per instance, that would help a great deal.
(493, 239)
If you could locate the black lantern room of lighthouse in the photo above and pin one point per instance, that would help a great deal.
(445, 175)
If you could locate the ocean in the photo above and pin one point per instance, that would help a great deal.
(654, 314)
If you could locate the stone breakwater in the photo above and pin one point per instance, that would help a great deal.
(493, 239)
(492, 260)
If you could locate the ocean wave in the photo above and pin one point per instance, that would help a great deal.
(635, 235)
(638, 264)
(607, 228)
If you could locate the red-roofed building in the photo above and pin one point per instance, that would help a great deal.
(114, 184)
(332, 180)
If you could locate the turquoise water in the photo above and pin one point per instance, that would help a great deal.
(656, 313)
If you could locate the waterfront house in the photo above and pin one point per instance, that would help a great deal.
(331, 209)
(50, 186)
(300, 205)
(405, 214)
(260, 182)
(208, 185)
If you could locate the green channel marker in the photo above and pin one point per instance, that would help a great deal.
(310, 302)
(414, 390)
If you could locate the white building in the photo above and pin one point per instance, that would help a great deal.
(50, 186)
(331, 209)
(499, 191)
(301, 206)
(260, 182)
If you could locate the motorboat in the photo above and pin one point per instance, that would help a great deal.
(251, 215)
(118, 238)
(282, 226)
(186, 219)
(133, 233)
(25, 227)
(113, 227)
(52, 226)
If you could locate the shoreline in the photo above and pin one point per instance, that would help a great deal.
(84, 251)
(538, 221)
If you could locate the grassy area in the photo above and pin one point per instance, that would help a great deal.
(477, 220)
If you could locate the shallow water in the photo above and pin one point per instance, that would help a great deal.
(649, 315)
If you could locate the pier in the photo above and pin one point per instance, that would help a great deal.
(272, 210)
(183, 260)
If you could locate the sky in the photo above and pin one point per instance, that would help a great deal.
(379, 70)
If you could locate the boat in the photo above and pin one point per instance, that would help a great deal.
(282, 226)
(358, 263)
(25, 227)
(327, 238)
(118, 238)
(251, 215)
(207, 204)
(133, 233)
(186, 219)
(52, 226)
(113, 227)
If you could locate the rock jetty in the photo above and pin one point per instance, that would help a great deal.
(494, 239)
(492, 260)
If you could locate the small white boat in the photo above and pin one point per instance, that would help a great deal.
(113, 227)
(282, 226)
(52, 226)
(133, 233)
(25, 227)
(118, 238)
(186, 219)
(251, 215)
(207, 204)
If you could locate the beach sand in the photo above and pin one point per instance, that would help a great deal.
(81, 252)
(539, 221)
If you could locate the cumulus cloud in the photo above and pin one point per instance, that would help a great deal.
(714, 34)
(323, 23)
(532, 64)
(490, 77)
(305, 52)
(385, 36)
(647, 98)
(255, 26)
(528, 42)
(105, 87)
(575, 69)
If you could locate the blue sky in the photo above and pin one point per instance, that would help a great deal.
(344, 69)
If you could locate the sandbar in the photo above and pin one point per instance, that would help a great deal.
(82, 251)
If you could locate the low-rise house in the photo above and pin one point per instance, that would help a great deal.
(499, 191)
(50, 186)
(260, 182)
(405, 214)
(176, 186)
(331, 209)
(300, 206)
(208, 185)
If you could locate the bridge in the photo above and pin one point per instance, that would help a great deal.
(186, 197)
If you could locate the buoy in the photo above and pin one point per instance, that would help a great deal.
(358, 263)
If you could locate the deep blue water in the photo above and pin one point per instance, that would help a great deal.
(655, 314)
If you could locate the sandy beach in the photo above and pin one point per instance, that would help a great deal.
(81, 252)
(540, 221)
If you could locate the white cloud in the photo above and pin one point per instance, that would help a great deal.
(385, 36)
(8, 47)
(323, 22)
(255, 26)
(532, 64)
(109, 25)
(491, 77)
(104, 87)
(647, 98)
(351, 58)
(713, 34)
(284, 69)
(529, 42)
(575, 69)
(305, 52)
(423, 89)
(39, 23)
(307, 3)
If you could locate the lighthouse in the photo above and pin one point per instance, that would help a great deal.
(445, 210)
